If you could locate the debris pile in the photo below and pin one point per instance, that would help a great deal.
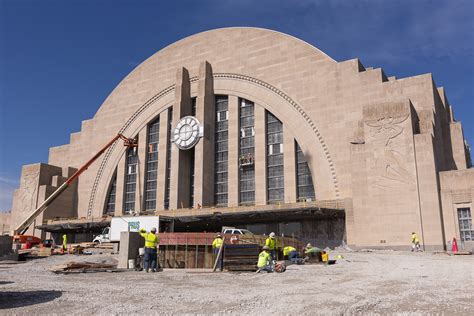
(83, 267)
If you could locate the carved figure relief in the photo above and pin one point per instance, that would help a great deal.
(389, 162)
(29, 192)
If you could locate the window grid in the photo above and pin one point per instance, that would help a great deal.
(465, 224)
(275, 176)
(130, 180)
(221, 151)
(151, 173)
(110, 205)
(168, 160)
(304, 181)
(247, 147)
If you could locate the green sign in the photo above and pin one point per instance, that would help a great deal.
(133, 226)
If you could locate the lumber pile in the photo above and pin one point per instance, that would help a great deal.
(83, 267)
(241, 257)
(105, 245)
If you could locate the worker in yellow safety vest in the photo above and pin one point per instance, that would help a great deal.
(265, 260)
(415, 242)
(290, 253)
(271, 243)
(216, 246)
(64, 243)
(151, 243)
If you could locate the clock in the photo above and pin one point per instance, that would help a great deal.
(187, 132)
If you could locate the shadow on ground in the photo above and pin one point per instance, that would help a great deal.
(6, 282)
(20, 299)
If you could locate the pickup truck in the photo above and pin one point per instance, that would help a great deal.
(129, 223)
(235, 231)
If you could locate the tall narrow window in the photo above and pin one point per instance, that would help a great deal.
(151, 173)
(275, 176)
(246, 153)
(465, 224)
(168, 160)
(304, 182)
(192, 157)
(130, 180)
(221, 151)
(110, 205)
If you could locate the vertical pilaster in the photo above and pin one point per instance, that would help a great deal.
(119, 189)
(233, 151)
(180, 168)
(162, 160)
(260, 157)
(289, 167)
(204, 150)
(141, 167)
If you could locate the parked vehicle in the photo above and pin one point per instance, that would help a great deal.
(133, 224)
(235, 231)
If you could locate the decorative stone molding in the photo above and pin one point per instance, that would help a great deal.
(217, 76)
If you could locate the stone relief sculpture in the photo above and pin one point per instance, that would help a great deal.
(389, 162)
(29, 194)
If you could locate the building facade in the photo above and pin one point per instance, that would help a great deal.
(247, 126)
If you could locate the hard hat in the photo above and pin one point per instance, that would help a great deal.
(218, 235)
(309, 246)
(265, 248)
(153, 230)
(272, 235)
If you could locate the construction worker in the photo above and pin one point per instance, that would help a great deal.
(265, 260)
(216, 246)
(271, 243)
(290, 253)
(415, 242)
(64, 249)
(151, 243)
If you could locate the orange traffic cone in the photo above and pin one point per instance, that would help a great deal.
(455, 245)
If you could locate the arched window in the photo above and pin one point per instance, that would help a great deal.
(304, 181)
(110, 204)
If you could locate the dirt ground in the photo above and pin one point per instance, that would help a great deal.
(363, 282)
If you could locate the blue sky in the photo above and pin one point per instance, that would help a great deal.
(60, 59)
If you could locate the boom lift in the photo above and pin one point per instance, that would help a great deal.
(23, 226)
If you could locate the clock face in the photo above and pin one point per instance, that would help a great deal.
(186, 133)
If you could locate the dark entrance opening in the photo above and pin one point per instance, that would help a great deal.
(320, 227)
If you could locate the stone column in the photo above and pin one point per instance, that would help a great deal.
(180, 167)
(204, 150)
(162, 160)
(233, 141)
(260, 156)
(289, 167)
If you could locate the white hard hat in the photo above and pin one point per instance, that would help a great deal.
(153, 230)
(272, 235)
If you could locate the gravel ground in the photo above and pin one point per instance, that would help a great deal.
(363, 282)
